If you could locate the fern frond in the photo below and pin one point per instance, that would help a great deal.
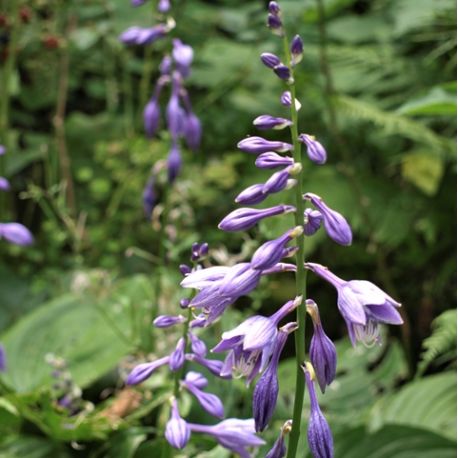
(441, 341)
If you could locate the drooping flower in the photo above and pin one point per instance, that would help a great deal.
(143, 371)
(192, 131)
(318, 433)
(183, 55)
(173, 162)
(177, 431)
(312, 221)
(315, 149)
(279, 449)
(257, 145)
(198, 347)
(151, 117)
(362, 304)
(234, 434)
(177, 358)
(322, 350)
(270, 60)
(265, 122)
(166, 321)
(16, 233)
(141, 36)
(271, 160)
(335, 224)
(163, 6)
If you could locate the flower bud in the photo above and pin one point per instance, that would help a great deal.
(163, 6)
(312, 221)
(270, 60)
(258, 145)
(297, 49)
(173, 163)
(166, 321)
(182, 55)
(151, 117)
(165, 66)
(271, 160)
(277, 182)
(265, 122)
(275, 24)
(184, 269)
(177, 431)
(285, 100)
(252, 195)
(184, 303)
(269, 253)
(315, 150)
(274, 8)
(192, 131)
(283, 72)
(16, 233)
(177, 358)
(4, 184)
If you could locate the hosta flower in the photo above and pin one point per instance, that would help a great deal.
(173, 162)
(182, 55)
(177, 357)
(334, 223)
(198, 347)
(141, 36)
(279, 448)
(315, 149)
(259, 145)
(163, 6)
(270, 60)
(2, 358)
(322, 350)
(151, 117)
(362, 304)
(143, 371)
(4, 184)
(149, 197)
(16, 233)
(177, 431)
(286, 100)
(312, 221)
(297, 49)
(166, 321)
(318, 433)
(234, 434)
(209, 402)
(192, 131)
(271, 160)
(265, 122)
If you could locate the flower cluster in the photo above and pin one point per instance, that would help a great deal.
(182, 123)
(13, 232)
(234, 434)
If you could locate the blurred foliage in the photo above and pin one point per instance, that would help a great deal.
(378, 89)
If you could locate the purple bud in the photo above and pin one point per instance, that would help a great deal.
(277, 182)
(279, 448)
(142, 36)
(199, 251)
(252, 195)
(2, 358)
(197, 379)
(283, 72)
(271, 160)
(198, 347)
(177, 358)
(315, 150)
(151, 117)
(184, 303)
(192, 131)
(165, 66)
(334, 223)
(183, 56)
(258, 145)
(322, 350)
(209, 402)
(16, 233)
(274, 8)
(166, 321)
(274, 22)
(184, 269)
(2, 150)
(312, 221)
(137, 2)
(177, 431)
(149, 197)
(270, 60)
(318, 434)
(286, 100)
(268, 254)
(297, 49)
(175, 115)
(173, 163)
(163, 6)
(265, 122)
(245, 218)
(143, 371)
(4, 184)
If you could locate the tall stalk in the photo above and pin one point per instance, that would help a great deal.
(301, 273)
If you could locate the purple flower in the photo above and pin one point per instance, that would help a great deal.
(279, 448)
(266, 391)
(199, 251)
(173, 162)
(177, 358)
(362, 305)
(198, 347)
(185, 269)
(209, 402)
(274, 8)
(322, 350)
(141, 36)
(177, 431)
(202, 278)
(270, 60)
(239, 281)
(16, 233)
(215, 366)
(165, 67)
(192, 131)
(283, 72)
(258, 145)
(271, 160)
(245, 218)
(277, 182)
(268, 254)
(4, 184)
(275, 24)
(151, 117)
(265, 122)
(234, 434)
(197, 379)
(2, 150)
(175, 114)
(318, 433)
(312, 221)
(149, 197)
(297, 49)
(166, 321)
(137, 2)
(251, 343)
(183, 56)
(163, 6)
(315, 149)
(286, 100)
(334, 223)
(252, 195)
(143, 371)
(2, 357)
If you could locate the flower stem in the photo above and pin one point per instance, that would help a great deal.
(180, 373)
(301, 274)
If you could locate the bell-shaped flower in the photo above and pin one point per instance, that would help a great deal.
(182, 55)
(177, 357)
(268, 254)
(143, 371)
(215, 366)
(192, 131)
(266, 390)
(202, 278)
(175, 114)
(177, 431)
(322, 350)
(234, 434)
(334, 223)
(270, 60)
(318, 433)
(315, 150)
(209, 402)
(245, 218)
(312, 221)
(16, 233)
(362, 304)
(271, 160)
(173, 162)
(251, 344)
(151, 117)
(297, 49)
(166, 321)
(257, 145)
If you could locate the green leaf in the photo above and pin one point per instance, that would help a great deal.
(435, 103)
(125, 443)
(428, 403)
(423, 170)
(31, 447)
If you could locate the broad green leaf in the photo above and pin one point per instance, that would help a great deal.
(428, 403)
(126, 443)
(435, 102)
(31, 447)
